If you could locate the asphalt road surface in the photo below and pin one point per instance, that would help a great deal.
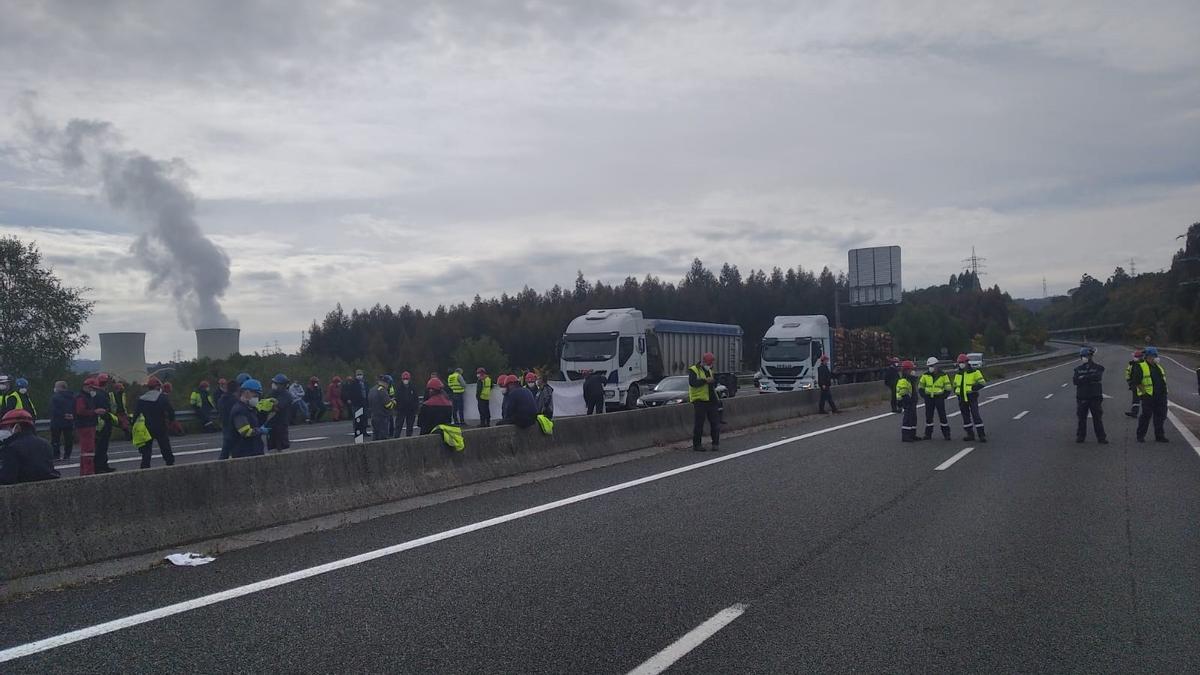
(822, 545)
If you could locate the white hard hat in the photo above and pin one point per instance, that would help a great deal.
(931, 361)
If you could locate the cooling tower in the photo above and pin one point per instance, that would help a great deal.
(123, 355)
(217, 343)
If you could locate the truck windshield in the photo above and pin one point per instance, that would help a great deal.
(786, 351)
(595, 349)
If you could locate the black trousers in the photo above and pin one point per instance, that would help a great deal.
(1094, 407)
(892, 397)
(103, 436)
(63, 442)
(1134, 407)
(1153, 407)
(164, 449)
(936, 404)
(485, 413)
(702, 411)
(315, 411)
(405, 420)
(595, 406)
(381, 425)
(908, 423)
(826, 397)
(972, 422)
(279, 438)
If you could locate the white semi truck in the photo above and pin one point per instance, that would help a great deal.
(792, 347)
(634, 352)
(791, 350)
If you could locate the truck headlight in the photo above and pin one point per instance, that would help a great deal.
(610, 394)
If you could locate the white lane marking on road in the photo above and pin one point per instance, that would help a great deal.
(679, 648)
(950, 462)
(1185, 432)
(1105, 395)
(53, 642)
(1164, 356)
(182, 454)
(1187, 410)
(1064, 384)
(1021, 414)
(1049, 396)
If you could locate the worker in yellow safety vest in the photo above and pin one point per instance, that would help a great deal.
(483, 396)
(906, 394)
(458, 387)
(968, 382)
(1149, 379)
(935, 387)
(703, 397)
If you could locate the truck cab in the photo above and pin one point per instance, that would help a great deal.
(612, 342)
(791, 350)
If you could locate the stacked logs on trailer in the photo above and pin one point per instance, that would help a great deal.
(861, 351)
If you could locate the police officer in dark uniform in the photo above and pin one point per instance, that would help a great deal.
(891, 375)
(825, 382)
(1089, 396)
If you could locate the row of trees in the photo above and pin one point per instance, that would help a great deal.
(1164, 306)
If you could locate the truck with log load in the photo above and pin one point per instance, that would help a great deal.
(792, 348)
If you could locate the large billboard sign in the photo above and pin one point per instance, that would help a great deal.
(874, 276)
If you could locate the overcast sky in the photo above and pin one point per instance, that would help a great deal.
(425, 152)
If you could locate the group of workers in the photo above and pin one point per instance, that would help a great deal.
(933, 387)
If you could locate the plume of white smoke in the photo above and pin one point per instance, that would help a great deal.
(181, 260)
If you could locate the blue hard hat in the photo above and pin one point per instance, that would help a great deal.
(1087, 351)
(22, 382)
(1152, 351)
(252, 384)
(242, 377)
(390, 379)
(280, 379)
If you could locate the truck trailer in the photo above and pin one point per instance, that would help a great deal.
(634, 352)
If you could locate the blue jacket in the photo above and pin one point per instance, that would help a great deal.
(520, 407)
(61, 405)
(242, 415)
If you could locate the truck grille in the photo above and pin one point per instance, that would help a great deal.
(785, 371)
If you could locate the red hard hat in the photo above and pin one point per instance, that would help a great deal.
(153, 382)
(406, 375)
(824, 357)
(203, 383)
(435, 384)
(531, 377)
(907, 365)
(336, 378)
(90, 382)
(708, 358)
(102, 379)
(17, 417)
(167, 387)
(222, 382)
(962, 358)
(481, 370)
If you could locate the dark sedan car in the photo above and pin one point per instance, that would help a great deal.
(670, 391)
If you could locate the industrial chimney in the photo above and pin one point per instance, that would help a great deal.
(217, 343)
(123, 356)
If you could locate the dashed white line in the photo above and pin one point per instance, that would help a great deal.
(1021, 414)
(1064, 384)
(1049, 396)
(950, 462)
(678, 649)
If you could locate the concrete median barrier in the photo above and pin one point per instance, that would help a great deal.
(76, 521)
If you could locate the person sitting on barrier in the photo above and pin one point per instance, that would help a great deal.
(24, 457)
(520, 407)
(437, 408)
(243, 418)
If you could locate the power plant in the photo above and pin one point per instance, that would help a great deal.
(123, 355)
(217, 343)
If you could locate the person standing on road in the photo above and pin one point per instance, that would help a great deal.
(458, 387)
(315, 398)
(906, 395)
(968, 382)
(334, 394)
(825, 382)
(225, 404)
(85, 427)
(243, 421)
(1129, 368)
(702, 395)
(1151, 381)
(935, 387)
(62, 421)
(545, 397)
(105, 420)
(891, 375)
(380, 403)
(407, 402)
(354, 393)
(19, 398)
(202, 405)
(483, 396)
(24, 457)
(1089, 396)
(593, 391)
(154, 409)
